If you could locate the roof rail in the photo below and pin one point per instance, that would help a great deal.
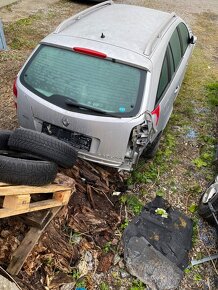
(149, 48)
(80, 15)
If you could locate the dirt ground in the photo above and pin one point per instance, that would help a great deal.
(24, 8)
(93, 255)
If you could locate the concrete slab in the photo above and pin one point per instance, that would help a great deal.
(3, 45)
(6, 2)
(6, 284)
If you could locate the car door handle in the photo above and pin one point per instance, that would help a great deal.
(176, 90)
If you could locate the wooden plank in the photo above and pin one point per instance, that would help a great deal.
(21, 253)
(17, 202)
(36, 219)
(62, 196)
(22, 189)
(4, 184)
(39, 205)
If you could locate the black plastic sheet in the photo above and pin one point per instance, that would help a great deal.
(172, 236)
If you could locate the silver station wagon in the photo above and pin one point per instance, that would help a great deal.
(105, 81)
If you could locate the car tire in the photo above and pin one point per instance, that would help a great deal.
(150, 151)
(4, 137)
(20, 155)
(26, 172)
(203, 208)
(44, 146)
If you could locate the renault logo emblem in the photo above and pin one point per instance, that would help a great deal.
(65, 122)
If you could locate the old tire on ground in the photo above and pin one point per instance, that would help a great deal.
(20, 155)
(4, 136)
(26, 172)
(45, 146)
(151, 149)
(203, 208)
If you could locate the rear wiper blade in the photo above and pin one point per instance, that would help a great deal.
(72, 103)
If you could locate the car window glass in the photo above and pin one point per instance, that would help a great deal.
(101, 84)
(176, 48)
(163, 82)
(171, 61)
(184, 34)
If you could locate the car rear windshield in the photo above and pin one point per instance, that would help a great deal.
(64, 78)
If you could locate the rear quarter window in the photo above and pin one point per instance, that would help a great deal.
(164, 79)
(176, 48)
(184, 36)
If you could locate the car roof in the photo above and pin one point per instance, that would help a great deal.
(126, 26)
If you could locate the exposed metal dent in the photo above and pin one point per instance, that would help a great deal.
(141, 137)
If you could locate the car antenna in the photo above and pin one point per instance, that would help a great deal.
(102, 35)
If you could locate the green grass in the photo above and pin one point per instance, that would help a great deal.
(149, 172)
(212, 94)
(104, 286)
(22, 34)
(132, 202)
(137, 285)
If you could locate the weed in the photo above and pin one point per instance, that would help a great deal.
(24, 22)
(193, 208)
(144, 192)
(75, 274)
(210, 140)
(147, 176)
(188, 270)
(107, 247)
(197, 277)
(137, 285)
(162, 212)
(206, 157)
(104, 286)
(212, 94)
(81, 285)
(48, 261)
(74, 238)
(117, 281)
(124, 224)
(160, 193)
(200, 162)
(132, 202)
(20, 43)
(195, 188)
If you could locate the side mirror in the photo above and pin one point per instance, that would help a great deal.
(193, 39)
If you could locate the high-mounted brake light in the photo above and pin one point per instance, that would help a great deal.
(15, 88)
(156, 112)
(89, 52)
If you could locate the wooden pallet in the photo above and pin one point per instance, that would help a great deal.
(20, 255)
(18, 199)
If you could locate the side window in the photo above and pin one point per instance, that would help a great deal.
(176, 48)
(184, 36)
(171, 61)
(164, 79)
(177, 45)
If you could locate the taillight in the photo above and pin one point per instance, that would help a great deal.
(15, 92)
(15, 88)
(156, 112)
